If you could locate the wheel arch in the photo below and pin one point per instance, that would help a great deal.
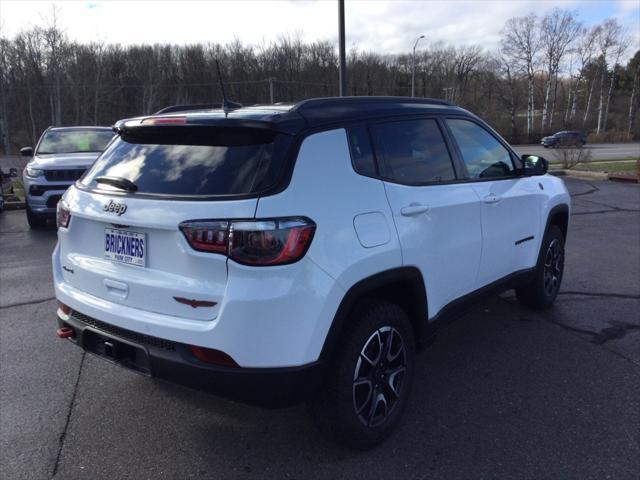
(558, 216)
(403, 286)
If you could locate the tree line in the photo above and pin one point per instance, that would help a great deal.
(550, 73)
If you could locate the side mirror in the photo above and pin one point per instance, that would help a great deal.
(534, 165)
(26, 152)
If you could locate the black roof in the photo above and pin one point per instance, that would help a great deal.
(310, 113)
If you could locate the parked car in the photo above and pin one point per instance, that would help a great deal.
(61, 157)
(287, 253)
(565, 139)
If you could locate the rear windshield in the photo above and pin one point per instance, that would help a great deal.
(74, 141)
(218, 162)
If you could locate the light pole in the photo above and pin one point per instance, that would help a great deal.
(413, 67)
(342, 71)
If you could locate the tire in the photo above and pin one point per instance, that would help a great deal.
(360, 374)
(35, 221)
(543, 289)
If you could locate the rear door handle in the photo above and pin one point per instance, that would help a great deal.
(413, 209)
(492, 198)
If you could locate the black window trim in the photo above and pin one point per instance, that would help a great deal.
(515, 160)
(376, 163)
(379, 157)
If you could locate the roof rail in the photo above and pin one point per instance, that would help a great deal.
(189, 108)
(321, 102)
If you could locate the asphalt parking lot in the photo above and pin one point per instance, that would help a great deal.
(503, 392)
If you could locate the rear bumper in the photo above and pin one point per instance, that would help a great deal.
(267, 318)
(174, 362)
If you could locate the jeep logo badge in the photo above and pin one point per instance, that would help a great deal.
(113, 207)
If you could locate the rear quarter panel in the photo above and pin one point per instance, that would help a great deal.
(325, 188)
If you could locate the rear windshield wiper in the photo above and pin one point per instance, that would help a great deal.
(118, 182)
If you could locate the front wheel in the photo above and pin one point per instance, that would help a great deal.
(369, 379)
(543, 289)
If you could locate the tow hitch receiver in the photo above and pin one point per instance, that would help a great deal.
(65, 332)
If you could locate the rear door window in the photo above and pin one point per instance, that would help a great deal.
(413, 151)
(193, 161)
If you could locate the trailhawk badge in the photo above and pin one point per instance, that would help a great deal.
(113, 207)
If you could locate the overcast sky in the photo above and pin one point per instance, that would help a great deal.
(381, 26)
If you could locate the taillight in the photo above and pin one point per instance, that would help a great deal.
(207, 236)
(164, 121)
(276, 241)
(66, 309)
(63, 214)
(270, 242)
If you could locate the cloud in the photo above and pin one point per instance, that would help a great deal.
(382, 26)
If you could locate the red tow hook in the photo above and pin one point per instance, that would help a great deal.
(65, 332)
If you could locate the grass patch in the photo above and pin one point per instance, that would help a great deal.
(14, 187)
(554, 161)
(608, 166)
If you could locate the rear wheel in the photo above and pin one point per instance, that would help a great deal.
(369, 380)
(35, 221)
(541, 292)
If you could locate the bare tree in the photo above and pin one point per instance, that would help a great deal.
(5, 47)
(557, 31)
(28, 63)
(521, 44)
(45, 78)
(622, 43)
(55, 44)
(608, 40)
(634, 95)
(585, 49)
(510, 95)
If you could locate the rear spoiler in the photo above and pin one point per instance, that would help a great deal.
(228, 133)
(197, 122)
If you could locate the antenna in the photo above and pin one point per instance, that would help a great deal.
(227, 105)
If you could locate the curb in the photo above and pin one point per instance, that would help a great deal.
(628, 177)
(14, 205)
(580, 174)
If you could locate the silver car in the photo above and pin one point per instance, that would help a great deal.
(61, 157)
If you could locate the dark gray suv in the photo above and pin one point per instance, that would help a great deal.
(568, 138)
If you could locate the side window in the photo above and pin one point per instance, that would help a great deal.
(483, 154)
(414, 151)
(361, 151)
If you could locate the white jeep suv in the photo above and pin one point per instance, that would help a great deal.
(60, 158)
(285, 253)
